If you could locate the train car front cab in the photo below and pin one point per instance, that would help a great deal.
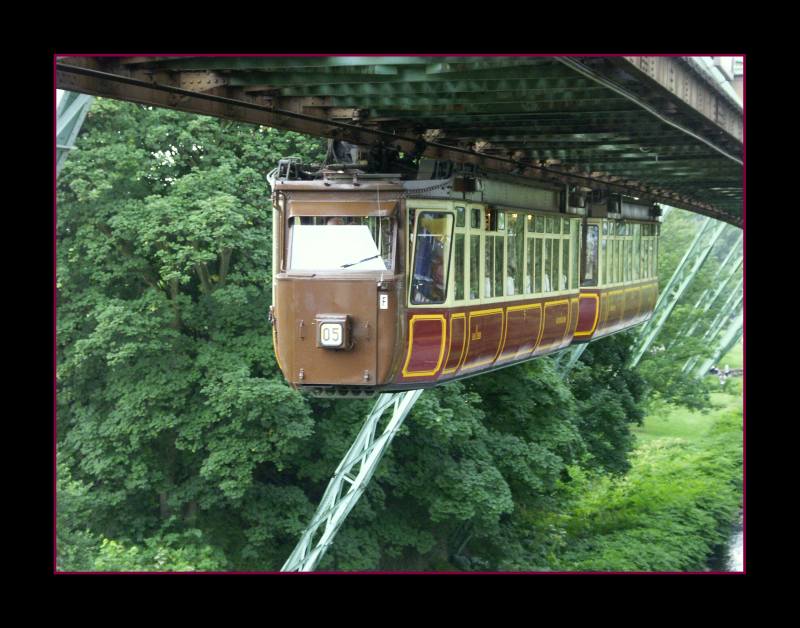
(338, 288)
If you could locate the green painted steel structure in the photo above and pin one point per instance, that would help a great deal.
(651, 126)
(687, 270)
(71, 111)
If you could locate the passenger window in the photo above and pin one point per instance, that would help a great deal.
(474, 266)
(459, 216)
(476, 218)
(459, 261)
(431, 257)
(536, 266)
(573, 281)
(498, 266)
(488, 267)
(516, 262)
(590, 259)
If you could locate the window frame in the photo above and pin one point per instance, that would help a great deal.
(435, 208)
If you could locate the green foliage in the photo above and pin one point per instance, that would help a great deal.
(669, 513)
(174, 552)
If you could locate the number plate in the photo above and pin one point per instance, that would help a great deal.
(330, 334)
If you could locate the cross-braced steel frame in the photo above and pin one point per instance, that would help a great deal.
(686, 271)
(69, 118)
(350, 480)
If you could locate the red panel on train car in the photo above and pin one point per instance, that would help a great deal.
(426, 345)
(556, 319)
(456, 343)
(485, 336)
(588, 315)
(523, 329)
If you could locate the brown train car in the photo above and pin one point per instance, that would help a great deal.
(381, 284)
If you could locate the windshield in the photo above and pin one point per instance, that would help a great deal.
(346, 243)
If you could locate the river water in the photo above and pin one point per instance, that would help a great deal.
(731, 556)
(735, 558)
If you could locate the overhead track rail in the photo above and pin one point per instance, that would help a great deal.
(535, 117)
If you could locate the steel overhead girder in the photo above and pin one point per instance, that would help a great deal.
(350, 480)
(230, 88)
(697, 253)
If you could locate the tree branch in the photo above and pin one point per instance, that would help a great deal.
(225, 264)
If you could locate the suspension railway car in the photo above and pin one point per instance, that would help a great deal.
(384, 284)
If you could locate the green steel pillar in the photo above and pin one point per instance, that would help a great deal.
(569, 357)
(70, 115)
(350, 480)
(710, 338)
(686, 271)
(725, 344)
(709, 296)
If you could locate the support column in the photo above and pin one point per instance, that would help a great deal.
(686, 271)
(725, 344)
(69, 118)
(348, 484)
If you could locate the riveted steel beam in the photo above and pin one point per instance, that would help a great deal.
(97, 82)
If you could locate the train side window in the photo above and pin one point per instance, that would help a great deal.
(574, 249)
(493, 266)
(537, 275)
(499, 245)
(548, 265)
(655, 254)
(516, 261)
(476, 218)
(637, 251)
(488, 267)
(629, 259)
(460, 217)
(459, 262)
(590, 259)
(564, 264)
(431, 258)
(474, 266)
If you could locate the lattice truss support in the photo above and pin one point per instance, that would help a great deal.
(725, 343)
(350, 480)
(689, 266)
(70, 114)
(567, 358)
(721, 279)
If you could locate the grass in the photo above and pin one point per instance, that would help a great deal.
(675, 422)
(678, 422)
